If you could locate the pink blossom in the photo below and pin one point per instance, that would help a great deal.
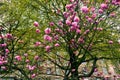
(57, 45)
(92, 9)
(76, 19)
(110, 42)
(66, 15)
(60, 23)
(31, 68)
(4, 45)
(8, 35)
(47, 30)
(3, 67)
(56, 37)
(37, 31)
(87, 31)
(71, 0)
(74, 24)
(78, 31)
(33, 75)
(25, 54)
(100, 11)
(106, 1)
(18, 58)
(68, 22)
(73, 28)
(73, 70)
(81, 40)
(94, 16)
(47, 38)
(112, 14)
(99, 29)
(103, 6)
(116, 2)
(51, 23)
(47, 48)
(95, 70)
(90, 20)
(86, 17)
(36, 57)
(5, 61)
(84, 9)
(36, 24)
(58, 11)
(1, 62)
(7, 51)
(27, 60)
(37, 44)
(69, 6)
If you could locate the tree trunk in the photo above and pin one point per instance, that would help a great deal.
(74, 69)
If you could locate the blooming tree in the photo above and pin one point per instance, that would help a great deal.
(84, 33)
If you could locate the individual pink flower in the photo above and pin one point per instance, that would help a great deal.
(76, 19)
(57, 45)
(99, 29)
(100, 11)
(117, 0)
(112, 14)
(33, 75)
(81, 40)
(110, 42)
(56, 37)
(92, 9)
(3, 67)
(94, 16)
(31, 68)
(47, 30)
(73, 70)
(5, 61)
(47, 48)
(36, 57)
(36, 24)
(84, 9)
(66, 14)
(9, 36)
(78, 31)
(60, 23)
(103, 6)
(7, 51)
(68, 22)
(18, 58)
(73, 28)
(37, 31)
(87, 31)
(89, 20)
(71, 0)
(95, 70)
(47, 38)
(37, 44)
(27, 60)
(3, 45)
(69, 6)
(25, 54)
(51, 23)
(75, 24)
(1, 62)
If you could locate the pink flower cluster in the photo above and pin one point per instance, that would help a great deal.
(18, 58)
(3, 60)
